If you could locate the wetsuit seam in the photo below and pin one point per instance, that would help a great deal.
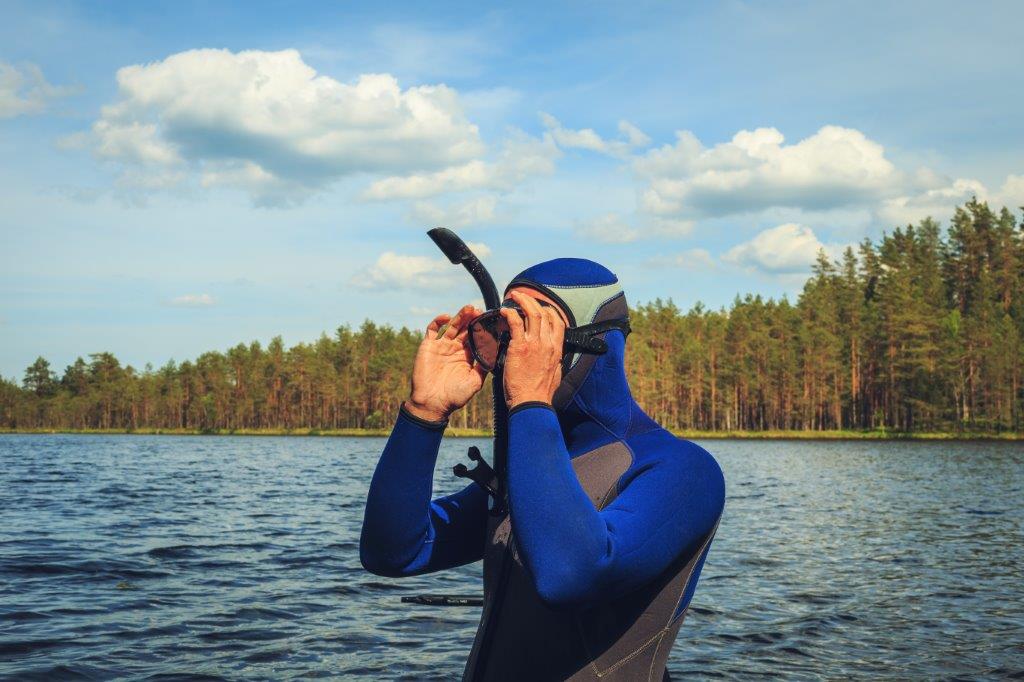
(628, 657)
(603, 304)
(689, 574)
(557, 286)
(580, 403)
(654, 658)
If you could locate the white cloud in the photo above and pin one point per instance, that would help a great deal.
(422, 310)
(669, 227)
(1011, 194)
(270, 124)
(788, 248)
(939, 200)
(193, 301)
(612, 228)
(479, 248)
(608, 229)
(833, 168)
(24, 90)
(587, 138)
(396, 271)
(521, 157)
(479, 211)
(393, 271)
(691, 259)
(634, 136)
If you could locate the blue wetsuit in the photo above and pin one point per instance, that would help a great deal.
(610, 516)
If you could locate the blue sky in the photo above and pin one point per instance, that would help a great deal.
(177, 178)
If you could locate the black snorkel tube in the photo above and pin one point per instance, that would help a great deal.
(491, 479)
(458, 253)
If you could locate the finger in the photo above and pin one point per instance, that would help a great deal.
(555, 325)
(543, 323)
(463, 335)
(558, 328)
(436, 324)
(460, 321)
(516, 326)
(532, 310)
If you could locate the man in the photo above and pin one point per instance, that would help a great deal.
(589, 570)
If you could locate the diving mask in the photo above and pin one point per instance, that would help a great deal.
(489, 336)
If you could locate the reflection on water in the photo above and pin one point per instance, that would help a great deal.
(237, 558)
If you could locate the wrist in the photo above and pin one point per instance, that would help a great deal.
(425, 412)
(516, 401)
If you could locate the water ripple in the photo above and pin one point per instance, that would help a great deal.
(164, 558)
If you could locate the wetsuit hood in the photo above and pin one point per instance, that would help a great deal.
(593, 401)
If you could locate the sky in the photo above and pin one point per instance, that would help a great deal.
(181, 177)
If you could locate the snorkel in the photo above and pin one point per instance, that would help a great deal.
(491, 479)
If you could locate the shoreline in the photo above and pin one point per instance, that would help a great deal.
(484, 433)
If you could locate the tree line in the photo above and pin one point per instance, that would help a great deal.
(919, 330)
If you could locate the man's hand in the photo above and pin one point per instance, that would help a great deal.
(443, 376)
(533, 361)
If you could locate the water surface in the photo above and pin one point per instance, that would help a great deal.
(237, 558)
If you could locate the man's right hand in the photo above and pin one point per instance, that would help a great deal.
(444, 376)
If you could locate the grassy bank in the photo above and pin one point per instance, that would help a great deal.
(879, 434)
(481, 433)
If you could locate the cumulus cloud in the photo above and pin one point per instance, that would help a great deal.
(691, 259)
(587, 138)
(940, 199)
(756, 170)
(397, 271)
(269, 123)
(479, 211)
(634, 136)
(24, 90)
(193, 301)
(394, 271)
(788, 248)
(522, 157)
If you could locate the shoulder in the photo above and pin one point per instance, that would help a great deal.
(660, 447)
(679, 465)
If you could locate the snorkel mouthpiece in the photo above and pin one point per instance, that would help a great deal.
(458, 253)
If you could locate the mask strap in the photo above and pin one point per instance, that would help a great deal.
(584, 339)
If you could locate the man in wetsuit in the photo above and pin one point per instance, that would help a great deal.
(590, 565)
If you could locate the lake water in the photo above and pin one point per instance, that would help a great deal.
(237, 558)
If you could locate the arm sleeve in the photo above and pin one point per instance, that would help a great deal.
(404, 532)
(576, 554)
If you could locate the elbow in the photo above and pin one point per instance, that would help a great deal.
(379, 564)
(378, 559)
(564, 589)
(374, 564)
(372, 561)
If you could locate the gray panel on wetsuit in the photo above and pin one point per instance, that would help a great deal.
(627, 638)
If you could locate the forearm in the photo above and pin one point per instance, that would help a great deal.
(564, 540)
(404, 531)
(397, 519)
